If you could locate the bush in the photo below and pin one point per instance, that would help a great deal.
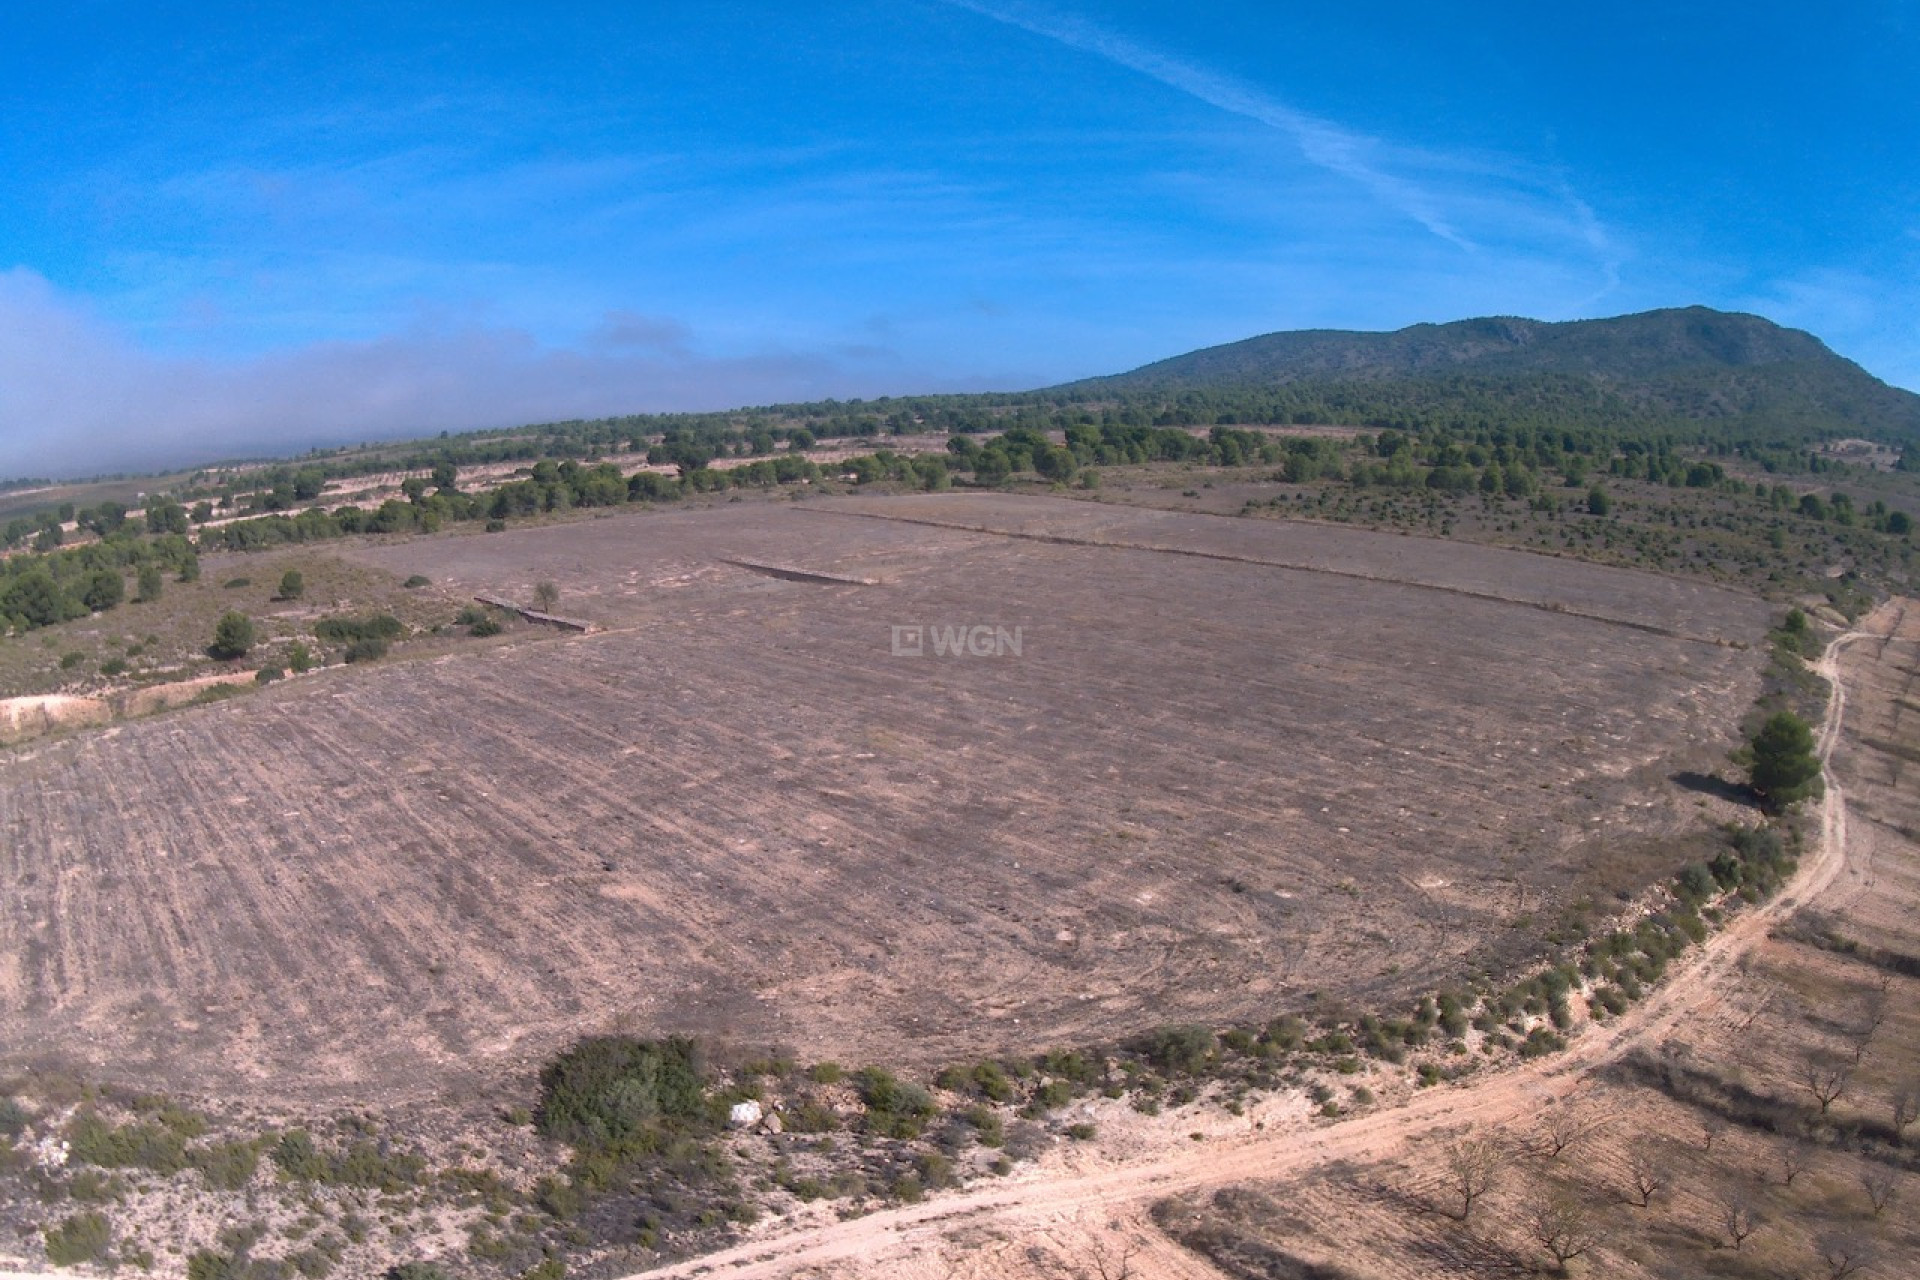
(895, 1108)
(297, 1157)
(13, 1118)
(416, 1271)
(369, 650)
(1697, 882)
(293, 585)
(104, 589)
(1179, 1050)
(84, 1237)
(610, 1090)
(300, 658)
(142, 1144)
(233, 637)
(417, 581)
(988, 1077)
(227, 1166)
(1540, 1042)
(343, 629)
(113, 667)
(269, 673)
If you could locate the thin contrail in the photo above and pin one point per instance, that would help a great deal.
(1323, 143)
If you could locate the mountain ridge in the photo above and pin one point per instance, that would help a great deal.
(1686, 363)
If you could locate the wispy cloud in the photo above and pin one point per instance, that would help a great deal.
(1391, 174)
(1322, 142)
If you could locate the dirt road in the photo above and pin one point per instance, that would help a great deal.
(1103, 1206)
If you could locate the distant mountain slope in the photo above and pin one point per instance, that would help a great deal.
(1690, 363)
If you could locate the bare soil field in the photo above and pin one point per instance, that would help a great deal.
(1761, 1135)
(1231, 764)
(1684, 1136)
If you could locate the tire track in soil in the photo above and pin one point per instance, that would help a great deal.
(1027, 1202)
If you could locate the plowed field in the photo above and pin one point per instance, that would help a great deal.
(1212, 766)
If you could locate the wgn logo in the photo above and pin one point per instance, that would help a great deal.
(958, 642)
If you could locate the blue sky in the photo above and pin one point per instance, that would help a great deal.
(231, 227)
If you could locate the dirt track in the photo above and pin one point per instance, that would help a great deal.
(1099, 1212)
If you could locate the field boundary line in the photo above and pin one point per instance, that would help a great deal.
(1059, 539)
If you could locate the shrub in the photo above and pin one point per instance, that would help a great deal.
(298, 1158)
(936, 1171)
(293, 585)
(343, 629)
(113, 667)
(104, 589)
(1540, 1042)
(371, 649)
(13, 1118)
(416, 1271)
(988, 1126)
(235, 584)
(209, 1265)
(232, 637)
(992, 1081)
(1072, 1064)
(1052, 1095)
(84, 1237)
(269, 673)
(1179, 1050)
(895, 1108)
(300, 658)
(1697, 882)
(609, 1090)
(71, 659)
(314, 1264)
(227, 1166)
(417, 581)
(142, 1144)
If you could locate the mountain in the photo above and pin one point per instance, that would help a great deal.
(1691, 363)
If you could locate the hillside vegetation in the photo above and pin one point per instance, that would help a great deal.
(1735, 374)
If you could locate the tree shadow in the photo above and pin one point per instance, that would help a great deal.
(1708, 784)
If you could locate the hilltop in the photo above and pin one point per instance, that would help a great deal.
(1685, 364)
